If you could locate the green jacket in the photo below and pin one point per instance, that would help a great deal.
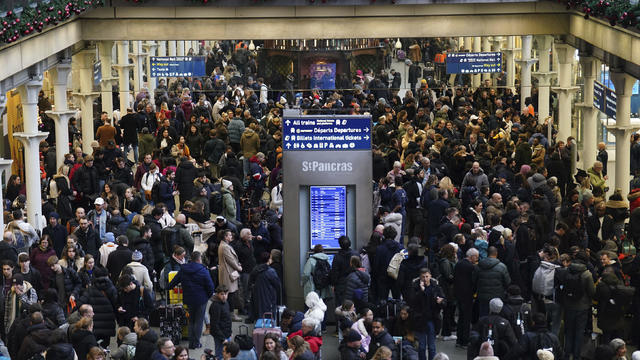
(146, 144)
(307, 277)
(228, 205)
(596, 179)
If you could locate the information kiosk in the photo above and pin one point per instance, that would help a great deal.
(327, 189)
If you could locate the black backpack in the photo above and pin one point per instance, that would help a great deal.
(215, 202)
(169, 236)
(571, 287)
(155, 191)
(320, 274)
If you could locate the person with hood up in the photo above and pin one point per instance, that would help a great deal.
(198, 288)
(307, 274)
(491, 279)
(475, 177)
(102, 296)
(317, 309)
(228, 202)
(266, 289)
(357, 284)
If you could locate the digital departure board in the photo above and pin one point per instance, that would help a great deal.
(328, 212)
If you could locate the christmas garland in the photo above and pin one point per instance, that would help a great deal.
(616, 12)
(31, 19)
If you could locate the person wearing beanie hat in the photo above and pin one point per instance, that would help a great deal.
(107, 248)
(486, 352)
(140, 272)
(351, 346)
(57, 233)
(544, 355)
(19, 297)
(496, 328)
(635, 355)
(228, 201)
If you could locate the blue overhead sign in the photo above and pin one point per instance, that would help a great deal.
(327, 133)
(474, 63)
(174, 66)
(328, 212)
(604, 99)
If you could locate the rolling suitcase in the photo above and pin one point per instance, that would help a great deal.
(262, 327)
(171, 320)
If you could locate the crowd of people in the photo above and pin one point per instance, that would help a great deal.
(483, 234)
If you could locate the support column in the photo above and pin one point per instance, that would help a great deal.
(468, 43)
(475, 78)
(139, 58)
(486, 47)
(162, 48)
(62, 114)
(172, 48)
(544, 76)
(5, 173)
(84, 61)
(623, 83)
(525, 69)
(123, 67)
(30, 139)
(564, 90)
(180, 48)
(150, 50)
(510, 55)
(105, 49)
(590, 66)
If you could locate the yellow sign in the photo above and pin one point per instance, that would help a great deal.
(15, 124)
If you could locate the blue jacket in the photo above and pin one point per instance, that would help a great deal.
(384, 253)
(196, 283)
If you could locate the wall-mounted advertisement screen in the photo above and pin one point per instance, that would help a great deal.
(328, 213)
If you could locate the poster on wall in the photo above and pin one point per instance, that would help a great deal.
(323, 76)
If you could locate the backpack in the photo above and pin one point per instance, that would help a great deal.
(543, 280)
(622, 295)
(320, 274)
(394, 265)
(544, 341)
(215, 203)
(571, 286)
(155, 191)
(130, 352)
(169, 236)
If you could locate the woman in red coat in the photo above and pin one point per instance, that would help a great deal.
(39, 256)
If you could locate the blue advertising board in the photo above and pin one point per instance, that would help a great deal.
(328, 212)
(174, 66)
(327, 133)
(604, 99)
(474, 63)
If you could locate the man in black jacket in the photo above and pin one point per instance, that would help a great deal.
(463, 289)
(379, 338)
(351, 346)
(494, 329)
(427, 300)
(340, 267)
(85, 182)
(130, 128)
(147, 339)
(413, 188)
(220, 317)
(7, 248)
(538, 338)
(65, 280)
(119, 258)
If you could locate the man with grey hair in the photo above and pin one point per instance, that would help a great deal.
(463, 289)
(310, 333)
(243, 247)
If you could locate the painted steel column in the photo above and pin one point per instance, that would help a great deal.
(475, 78)
(510, 52)
(150, 50)
(84, 61)
(172, 48)
(486, 47)
(61, 114)
(544, 76)
(565, 89)
(180, 48)
(525, 69)
(590, 66)
(5, 164)
(123, 67)
(30, 139)
(623, 83)
(162, 48)
(105, 50)
(138, 57)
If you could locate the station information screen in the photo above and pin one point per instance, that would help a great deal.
(328, 212)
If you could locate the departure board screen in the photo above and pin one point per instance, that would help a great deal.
(328, 212)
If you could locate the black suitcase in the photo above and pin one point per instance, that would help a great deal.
(172, 317)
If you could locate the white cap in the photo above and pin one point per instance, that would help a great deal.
(99, 201)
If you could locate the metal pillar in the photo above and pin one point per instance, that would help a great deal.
(180, 48)
(30, 139)
(123, 67)
(544, 75)
(150, 48)
(510, 56)
(525, 69)
(138, 58)
(105, 50)
(564, 90)
(172, 48)
(486, 47)
(590, 66)
(84, 61)
(62, 114)
(475, 78)
(623, 83)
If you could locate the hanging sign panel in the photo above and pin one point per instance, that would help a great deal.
(174, 66)
(474, 63)
(327, 133)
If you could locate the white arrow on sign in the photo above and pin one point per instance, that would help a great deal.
(366, 129)
(288, 122)
(366, 137)
(288, 145)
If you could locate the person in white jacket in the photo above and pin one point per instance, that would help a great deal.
(316, 310)
(148, 179)
(140, 271)
(392, 219)
(276, 198)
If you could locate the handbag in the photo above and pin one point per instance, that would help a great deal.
(234, 275)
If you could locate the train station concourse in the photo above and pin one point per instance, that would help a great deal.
(388, 179)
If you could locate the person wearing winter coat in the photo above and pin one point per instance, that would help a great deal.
(410, 269)
(198, 288)
(266, 290)
(37, 339)
(446, 266)
(379, 338)
(341, 268)
(119, 258)
(147, 340)
(539, 337)
(39, 257)
(317, 309)
(350, 347)
(357, 284)
(475, 177)
(143, 245)
(185, 174)
(102, 296)
(392, 219)
(236, 129)
(492, 279)
(140, 272)
(310, 334)
(250, 142)
(134, 301)
(229, 267)
(18, 298)
(384, 254)
(82, 337)
(127, 349)
(220, 318)
(426, 301)
(66, 280)
(497, 329)
(307, 273)
(228, 201)
(610, 313)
